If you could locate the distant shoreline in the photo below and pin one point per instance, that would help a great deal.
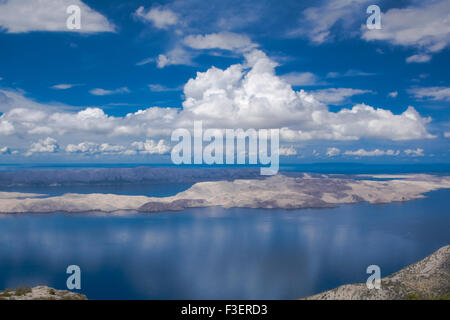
(355, 167)
(295, 191)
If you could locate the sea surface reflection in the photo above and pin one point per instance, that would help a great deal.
(215, 253)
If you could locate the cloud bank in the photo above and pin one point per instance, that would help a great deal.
(432, 93)
(424, 25)
(372, 153)
(245, 95)
(222, 40)
(19, 16)
(161, 18)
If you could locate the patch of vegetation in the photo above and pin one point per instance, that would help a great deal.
(6, 294)
(413, 296)
(46, 298)
(21, 291)
(74, 297)
(53, 294)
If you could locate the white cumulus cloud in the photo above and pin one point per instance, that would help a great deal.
(350, 73)
(287, 151)
(141, 147)
(433, 93)
(418, 58)
(337, 95)
(331, 152)
(424, 25)
(5, 150)
(161, 88)
(18, 16)
(104, 92)
(161, 18)
(415, 152)
(316, 23)
(62, 86)
(372, 153)
(245, 95)
(301, 78)
(6, 128)
(222, 40)
(176, 56)
(43, 145)
(151, 147)
(393, 94)
(258, 98)
(95, 148)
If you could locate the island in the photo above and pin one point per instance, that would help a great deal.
(284, 191)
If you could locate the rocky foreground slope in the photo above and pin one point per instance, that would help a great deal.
(280, 191)
(426, 279)
(39, 293)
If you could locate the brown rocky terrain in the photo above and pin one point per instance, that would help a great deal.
(39, 293)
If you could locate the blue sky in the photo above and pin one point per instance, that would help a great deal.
(90, 94)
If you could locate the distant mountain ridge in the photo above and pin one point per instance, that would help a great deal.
(123, 175)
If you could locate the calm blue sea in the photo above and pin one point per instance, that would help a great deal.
(319, 167)
(215, 253)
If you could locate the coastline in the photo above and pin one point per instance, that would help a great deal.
(427, 279)
(277, 192)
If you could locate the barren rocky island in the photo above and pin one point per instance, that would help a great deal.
(283, 191)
